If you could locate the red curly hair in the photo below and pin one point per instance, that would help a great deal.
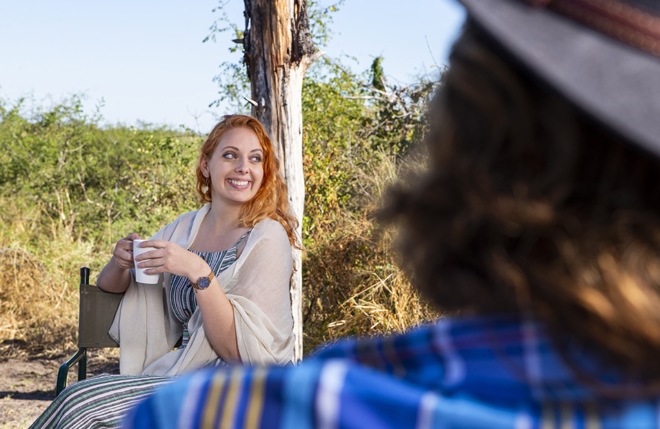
(271, 200)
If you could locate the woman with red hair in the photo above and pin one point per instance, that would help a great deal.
(223, 288)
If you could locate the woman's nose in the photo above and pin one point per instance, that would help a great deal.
(242, 167)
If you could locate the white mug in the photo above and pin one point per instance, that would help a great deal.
(140, 275)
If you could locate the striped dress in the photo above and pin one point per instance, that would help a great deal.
(102, 401)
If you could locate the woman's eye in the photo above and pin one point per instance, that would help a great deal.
(256, 158)
(229, 155)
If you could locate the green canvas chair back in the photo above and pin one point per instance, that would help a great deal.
(96, 312)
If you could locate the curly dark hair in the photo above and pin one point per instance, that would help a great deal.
(531, 208)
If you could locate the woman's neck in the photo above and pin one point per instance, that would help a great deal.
(223, 218)
(219, 230)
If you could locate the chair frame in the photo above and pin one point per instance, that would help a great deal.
(95, 315)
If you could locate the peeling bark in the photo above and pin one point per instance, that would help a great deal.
(278, 49)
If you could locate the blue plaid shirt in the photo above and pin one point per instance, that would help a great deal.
(457, 373)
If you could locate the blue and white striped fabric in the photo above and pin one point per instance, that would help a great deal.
(182, 295)
(471, 373)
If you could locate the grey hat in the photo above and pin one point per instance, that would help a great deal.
(602, 55)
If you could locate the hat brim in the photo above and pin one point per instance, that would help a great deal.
(616, 84)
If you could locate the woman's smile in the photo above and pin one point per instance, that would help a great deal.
(239, 184)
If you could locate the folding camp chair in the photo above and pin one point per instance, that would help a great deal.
(97, 310)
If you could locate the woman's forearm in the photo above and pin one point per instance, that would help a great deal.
(218, 318)
(114, 278)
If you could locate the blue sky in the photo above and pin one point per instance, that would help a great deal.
(143, 61)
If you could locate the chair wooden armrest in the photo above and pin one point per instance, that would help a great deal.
(96, 313)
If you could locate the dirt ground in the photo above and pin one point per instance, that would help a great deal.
(27, 385)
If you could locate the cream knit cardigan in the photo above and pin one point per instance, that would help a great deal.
(257, 285)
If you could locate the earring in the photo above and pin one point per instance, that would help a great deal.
(207, 186)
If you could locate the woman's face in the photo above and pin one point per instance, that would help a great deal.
(235, 167)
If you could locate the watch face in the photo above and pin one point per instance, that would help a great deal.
(203, 283)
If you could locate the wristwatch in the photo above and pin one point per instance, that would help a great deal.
(203, 282)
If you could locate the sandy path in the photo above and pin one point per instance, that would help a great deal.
(27, 386)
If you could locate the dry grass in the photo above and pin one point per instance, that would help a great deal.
(389, 305)
(352, 282)
(354, 287)
(39, 283)
(36, 313)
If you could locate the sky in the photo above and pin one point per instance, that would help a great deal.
(143, 61)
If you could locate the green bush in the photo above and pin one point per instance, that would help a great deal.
(100, 183)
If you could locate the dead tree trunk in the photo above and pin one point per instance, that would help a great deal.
(278, 51)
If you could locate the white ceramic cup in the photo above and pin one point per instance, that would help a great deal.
(140, 275)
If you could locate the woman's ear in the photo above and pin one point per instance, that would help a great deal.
(204, 167)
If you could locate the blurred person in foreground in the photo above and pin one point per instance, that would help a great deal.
(536, 227)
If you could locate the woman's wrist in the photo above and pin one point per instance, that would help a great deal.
(118, 266)
(203, 282)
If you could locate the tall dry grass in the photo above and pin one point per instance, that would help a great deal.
(352, 283)
(38, 282)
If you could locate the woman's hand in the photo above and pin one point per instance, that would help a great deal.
(123, 253)
(168, 257)
(115, 276)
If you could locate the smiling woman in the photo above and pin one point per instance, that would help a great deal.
(222, 295)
